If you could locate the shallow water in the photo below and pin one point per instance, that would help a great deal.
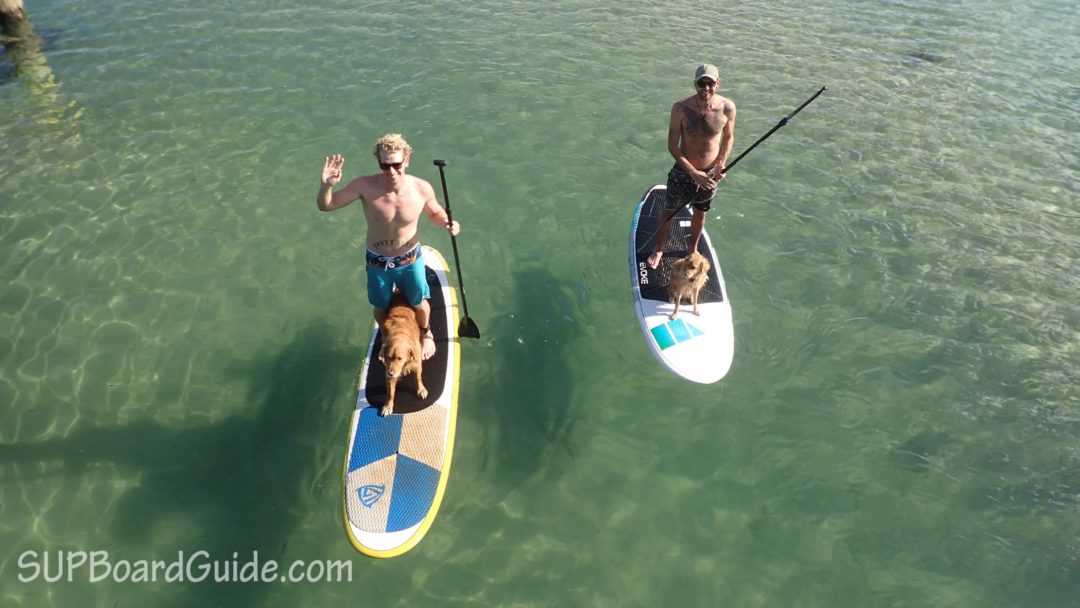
(180, 328)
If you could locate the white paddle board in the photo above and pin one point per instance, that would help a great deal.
(695, 347)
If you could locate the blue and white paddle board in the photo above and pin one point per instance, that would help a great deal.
(396, 467)
(697, 348)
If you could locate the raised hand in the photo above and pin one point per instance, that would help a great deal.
(331, 173)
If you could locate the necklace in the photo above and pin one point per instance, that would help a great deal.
(697, 102)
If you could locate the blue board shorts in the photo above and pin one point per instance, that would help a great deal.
(406, 271)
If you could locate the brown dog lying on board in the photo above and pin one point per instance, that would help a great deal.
(688, 276)
(400, 351)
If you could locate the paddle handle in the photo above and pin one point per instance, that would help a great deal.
(453, 240)
(783, 121)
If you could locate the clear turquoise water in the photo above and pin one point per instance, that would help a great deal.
(180, 328)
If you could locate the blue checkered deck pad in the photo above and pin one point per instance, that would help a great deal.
(376, 438)
(394, 482)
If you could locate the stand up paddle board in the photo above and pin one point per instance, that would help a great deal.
(396, 466)
(698, 348)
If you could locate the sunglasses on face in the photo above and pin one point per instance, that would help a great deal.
(705, 82)
(387, 166)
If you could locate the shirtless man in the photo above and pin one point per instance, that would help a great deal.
(393, 203)
(700, 136)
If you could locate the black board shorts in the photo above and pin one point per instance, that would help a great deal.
(682, 190)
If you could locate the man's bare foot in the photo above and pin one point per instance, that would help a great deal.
(654, 259)
(427, 350)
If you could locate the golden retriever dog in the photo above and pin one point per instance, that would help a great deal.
(400, 351)
(688, 276)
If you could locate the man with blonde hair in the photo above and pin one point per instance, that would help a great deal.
(393, 203)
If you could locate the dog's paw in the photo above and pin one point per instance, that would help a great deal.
(421, 392)
(387, 409)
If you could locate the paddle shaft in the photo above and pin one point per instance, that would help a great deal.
(453, 242)
(783, 121)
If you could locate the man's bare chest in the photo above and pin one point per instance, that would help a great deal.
(703, 122)
(395, 207)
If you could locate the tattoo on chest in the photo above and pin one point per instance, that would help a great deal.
(696, 122)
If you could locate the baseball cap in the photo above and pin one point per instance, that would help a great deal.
(707, 70)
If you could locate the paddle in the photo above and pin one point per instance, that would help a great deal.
(783, 121)
(466, 328)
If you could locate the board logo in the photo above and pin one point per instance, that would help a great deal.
(643, 274)
(674, 332)
(370, 494)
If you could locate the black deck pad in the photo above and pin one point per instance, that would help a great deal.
(676, 247)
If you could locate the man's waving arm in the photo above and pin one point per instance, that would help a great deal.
(327, 199)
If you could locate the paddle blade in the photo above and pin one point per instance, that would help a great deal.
(467, 329)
